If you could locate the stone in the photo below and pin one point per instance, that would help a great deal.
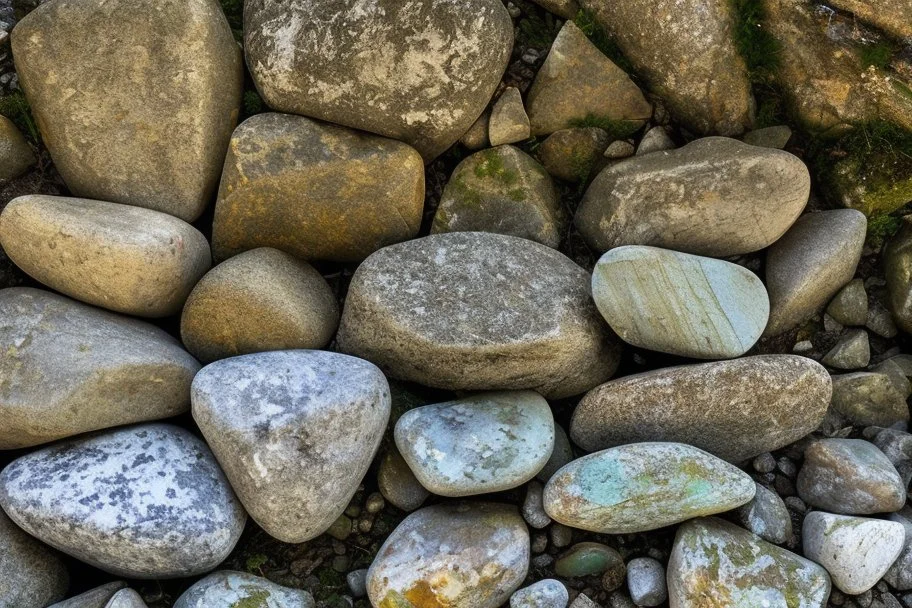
(567, 9)
(588, 559)
(492, 442)
(656, 139)
(68, 368)
(573, 154)
(295, 431)
(398, 484)
(810, 263)
(126, 259)
(646, 581)
(357, 582)
(310, 189)
(560, 455)
(501, 190)
(135, 101)
(31, 574)
(546, 593)
(259, 300)
(94, 598)
(849, 476)
(582, 601)
(891, 16)
(476, 137)
(734, 409)
(715, 562)
(619, 150)
(577, 84)
(146, 501)
(230, 589)
(766, 516)
(893, 369)
(126, 598)
(644, 486)
(421, 73)
(710, 309)
(749, 195)
(769, 137)
(899, 574)
(856, 551)
(508, 123)
(897, 257)
(439, 310)
(533, 511)
(850, 305)
(470, 554)
(897, 447)
(869, 398)
(851, 352)
(16, 156)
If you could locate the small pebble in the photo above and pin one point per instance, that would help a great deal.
(357, 582)
(561, 535)
(532, 509)
(546, 593)
(585, 559)
(539, 542)
(764, 463)
(375, 503)
(582, 601)
(646, 581)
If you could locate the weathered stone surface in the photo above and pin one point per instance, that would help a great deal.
(94, 598)
(31, 574)
(573, 154)
(852, 351)
(126, 598)
(420, 73)
(889, 15)
(397, 482)
(67, 368)
(644, 486)
(476, 137)
(899, 575)
(127, 259)
(619, 149)
(147, 501)
(479, 444)
(898, 273)
(230, 589)
(259, 300)
(577, 82)
(734, 409)
(770, 137)
(869, 398)
(509, 122)
(708, 309)
(560, 455)
(135, 101)
(588, 559)
(474, 554)
(850, 305)
(897, 446)
(568, 9)
(311, 190)
(656, 139)
(16, 156)
(807, 266)
(546, 593)
(295, 432)
(766, 516)
(646, 581)
(440, 310)
(714, 562)
(505, 191)
(749, 196)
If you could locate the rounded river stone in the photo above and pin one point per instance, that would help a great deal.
(16, 155)
(231, 589)
(94, 598)
(31, 574)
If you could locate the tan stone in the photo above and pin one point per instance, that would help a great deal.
(16, 156)
(568, 9)
(892, 16)
(508, 123)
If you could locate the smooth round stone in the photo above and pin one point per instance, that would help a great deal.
(16, 156)
(68, 368)
(656, 139)
(230, 589)
(853, 351)
(560, 455)
(470, 554)
(679, 303)
(126, 598)
(439, 310)
(259, 300)
(398, 484)
(587, 559)
(646, 581)
(31, 574)
(94, 598)
(477, 445)
(357, 582)
(766, 516)
(295, 432)
(508, 123)
(856, 551)
(869, 399)
(850, 305)
(533, 510)
(734, 409)
(546, 593)
(644, 486)
(126, 259)
(147, 501)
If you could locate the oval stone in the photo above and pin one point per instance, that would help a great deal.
(644, 486)
(230, 589)
(679, 303)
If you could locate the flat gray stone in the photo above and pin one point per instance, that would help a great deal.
(546, 593)
(869, 399)
(850, 305)
(230, 589)
(94, 598)
(16, 156)
(146, 501)
(853, 351)
(31, 574)
(766, 516)
(508, 123)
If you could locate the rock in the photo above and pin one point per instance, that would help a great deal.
(856, 551)
(295, 432)
(898, 273)
(893, 369)
(126, 598)
(135, 101)
(583, 601)
(619, 150)
(357, 582)
(95, 598)
(146, 501)
(508, 123)
(851, 352)
(897, 447)
(31, 574)
(572, 154)
(613, 577)
(310, 189)
(567, 9)
(850, 305)
(439, 310)
(546, 593)
(706, 308)
(890, 15)
(577, 84)
(646, 582)
(505, 191)
(766, 516)
(422, 75)
(476, 137)
(588, 559)
(68, 368)
(749, 195)
(715, 561)
(734, 409)
(770, 137)
(899, 575)
(644, 486)
(16, 156)
(230, 589)
(881, 322)
(472, 554)
(259, 300)
(849, 476)
(656, 139)
(560, 455)
(533, 511)
(813, 261)
(867, 398)
(127, 259)
(492, 442)
(398, 484)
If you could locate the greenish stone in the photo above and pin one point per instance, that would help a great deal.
(874, 183)
(341, 528)
(586, 559)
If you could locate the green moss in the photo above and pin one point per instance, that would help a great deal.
(877, 54)
(257, 599)
(616, 129)
(538, 31)
(16, 107)
(757, 46)
(234, 12)
(881, 228)
(585, 20)
(255, 563)
(490, 164)
(902, 88)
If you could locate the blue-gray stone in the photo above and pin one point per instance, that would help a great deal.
(230, 589)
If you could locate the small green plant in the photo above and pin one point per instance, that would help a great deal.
(881, 228)
(877, 54)
(255, 563)
(538, 32)
(616, 129)
(585, 20)
(16, 107)
(757, 46)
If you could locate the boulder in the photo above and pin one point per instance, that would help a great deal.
(31, 574)
(508, 122)
(891, 16)
(16, 156)
(230, 589)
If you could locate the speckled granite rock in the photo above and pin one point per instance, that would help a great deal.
(869, 398)
(68, 368)
(508, 122)
(126, 598)
(94, 598)
(146, 501)
(16, 156)
(546, 593)
(295, 432)
(31, 574)
(766, 516)
(398, 484)
(644, 486)
(230, 589)
(473, 554)
(441, 309)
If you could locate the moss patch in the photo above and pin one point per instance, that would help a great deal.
(881, 228)
(877, 54)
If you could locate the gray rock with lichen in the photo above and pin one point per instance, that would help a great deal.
(546, 593)
(230, 589)
(766, 516)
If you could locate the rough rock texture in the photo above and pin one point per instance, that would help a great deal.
(568, 9)
(734, 409)
(312, 190)
(869, 398)
(546, 593)
(295, 432)
(127, 259)
(769, 137)
(656, 139)
(898, 273)
(126, 598)
(16, 156)
(230, 589)
(472, 554)
(94, 598)
(420, 73)
(398, 484)
(31, 574)
(899, 575)
(852, 351)
(705, 308)
(146, 501)
(573, 154)
(67, 368)
(95, 73)
(766, 516)
(748, 196)
(644, 486)
(508, 122)
(850, 305)
(443, 309)
(889, 15)
(646, 581)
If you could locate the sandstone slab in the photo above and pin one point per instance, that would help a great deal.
(31, 574)
(230, 589)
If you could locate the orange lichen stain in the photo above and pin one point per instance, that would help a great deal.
(422, 595)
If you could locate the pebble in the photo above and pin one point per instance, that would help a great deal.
(766, 516)
(126, 598)
(619, 150)
(573, 155)
(476, 137)
(899, 575)
(357, 582)
(897, 447)
(613, 576)
(16, 156)
(560, 455)
(769, 137)
(94, 598)
(646, 582)
(546, 593)
(851, 352)
(508, 123)
(850, 305)
(583, 601)
(656, 139)
(880, 321)
(398, 484)
(764, 463)
(869, 398)
(561, 536)
(532, 509)
(588, 559)
(31, 574)
(238, 589)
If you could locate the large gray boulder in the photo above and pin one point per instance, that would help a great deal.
(31, 574)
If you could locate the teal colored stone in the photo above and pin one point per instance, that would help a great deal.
(587, 559)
